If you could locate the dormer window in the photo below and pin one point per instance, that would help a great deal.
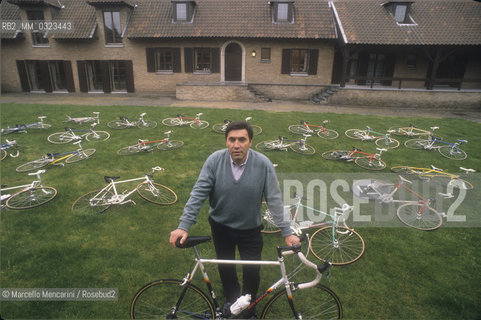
(183, 11)
(400, 11)
(282, 11)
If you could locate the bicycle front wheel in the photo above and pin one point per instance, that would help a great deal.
(335, 154)
(171, 145)
(39, 126)
(80, 155)
(147, 124)
(299, 129)
(452, 153)
(97, 136)
(219, 127)
(256, 129)
(340, 246)
(156, 193)
(419, 216)
(199, 124)
(267, 145)
(416, 143)
(31, 198)
(117, 124)
(318, 302)
(268, 221)
(461, 184)
(32, 165)
(402, 169)
(4, 154)
(328, 134)
(171, 122)
(370, 164)
(389, 143)
(355, 133)
(127, 151)
(304, 149)
(60, 138)
(93, 202)
(166, 299)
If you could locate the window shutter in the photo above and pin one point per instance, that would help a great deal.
(104, 69)
(215, 56)
(286, 61)
(45, 76)
(22, 72)
(363, 63)
(67, 67)
(188, 60)
(290, 12)
(150, 53)
(176, 60)
(129, 74)
(82, 76)
(313, 57)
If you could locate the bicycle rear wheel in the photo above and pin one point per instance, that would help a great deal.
(340, 246)
(200, 124)
(156, 193)
(268, 221)
(256, 129)
(355, 133)
(31, 198)
(60, 137)
(416, 143)
(335, 154)
(267, 145)
(39, 126)
(318, 302)
(89, 205)
(97, 136)
(171, 122)
(147, 124)
(4, 154)
(117, 124)
(127, 151)
(80, 155)
(171, 145)
(219, 127)
(370, 164)
(299, 129)
(452, 153)
(402, 169)
(328, 134)
(32, 165)
(461, 184)
(305, 149)
(163, 299)
(389, 143)
(419, 216)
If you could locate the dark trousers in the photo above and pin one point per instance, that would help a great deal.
(249, 243)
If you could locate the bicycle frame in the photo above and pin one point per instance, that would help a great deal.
(284, 281)
(189, 120)
(34, 184)
(82, 120)
(320, 128)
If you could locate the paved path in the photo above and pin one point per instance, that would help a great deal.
(153, 99)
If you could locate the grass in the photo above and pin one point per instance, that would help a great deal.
(404, 273)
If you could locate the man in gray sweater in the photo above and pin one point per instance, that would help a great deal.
(235, 180)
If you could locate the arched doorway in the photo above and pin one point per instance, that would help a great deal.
(233, 62)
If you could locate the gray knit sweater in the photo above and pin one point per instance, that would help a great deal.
(236, 204)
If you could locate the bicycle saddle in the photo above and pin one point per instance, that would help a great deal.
(110, 179)
(192, 241)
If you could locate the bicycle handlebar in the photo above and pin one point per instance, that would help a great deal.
(39, 172)
(437, 169)
(467, 170)
(157, 169)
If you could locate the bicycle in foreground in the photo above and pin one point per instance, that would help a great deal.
(83, 120)
(181, 299)
(71, 134)
(148, 146)
(433, 173)
(22, 128)
(283, 144)
(98, 201)
(31, 195)
(365, 160)
(124, 123)
(7, 145)
(306, 128)
(451, 150)
(180, 120)
(334, 241)
(417, 213)
(382, 140)
(56, 158)
(221, 127)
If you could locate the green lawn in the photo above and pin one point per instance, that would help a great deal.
(404, 273)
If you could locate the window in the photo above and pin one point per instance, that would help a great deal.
(94, 76)
(46, 75)
(202, 60)
(163, 59)
(182, 11)
(299, 60)
(118, 76)
(400, 11)
(282, 11)
(106, 76)
(57, 75)
(112, 27)
(411, 61)
(38, 36)
(265, 54)
(36, 76)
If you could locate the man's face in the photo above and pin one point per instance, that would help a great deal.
(238, 144)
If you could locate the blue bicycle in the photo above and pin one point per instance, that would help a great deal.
(7, 145)
(70, 135)
(451, 150)
(22, 128)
